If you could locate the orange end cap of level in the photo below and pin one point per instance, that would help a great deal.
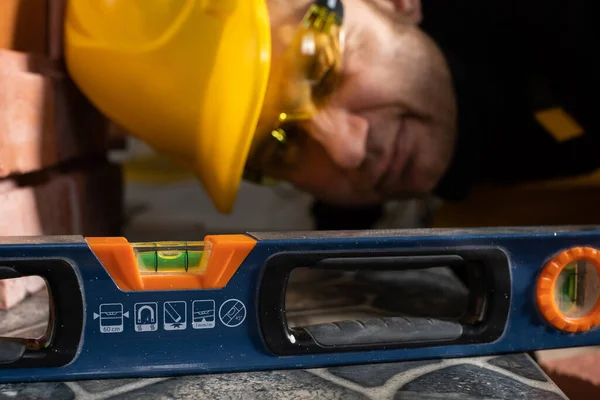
(118, 258)
(545, 297)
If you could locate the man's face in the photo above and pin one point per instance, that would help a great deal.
(388, 131)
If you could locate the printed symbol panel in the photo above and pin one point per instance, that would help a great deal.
(203, 314)
(111, 317)
(232, 313)
(146, 317)
(175, 316)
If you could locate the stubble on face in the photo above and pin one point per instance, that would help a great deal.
(406, 93)
(395, 78)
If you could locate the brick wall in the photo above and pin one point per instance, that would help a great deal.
(54, 175)
(574, 370)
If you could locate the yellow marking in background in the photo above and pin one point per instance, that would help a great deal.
(154, 169)
(559, 124)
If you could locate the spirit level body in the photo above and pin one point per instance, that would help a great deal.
(103, 331)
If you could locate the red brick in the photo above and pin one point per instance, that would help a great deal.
(27, 139)
(117, 138)
(585, 367)
(24, 25)
(100, 193)
(13, 291)
(56, 15)
(44, 118)
(79, 127)
(87, 202)
(578, 376)
(14, 61)
(573, 387)
(44, 209)
(33, 284)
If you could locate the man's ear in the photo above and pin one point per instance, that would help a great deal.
(408, 11)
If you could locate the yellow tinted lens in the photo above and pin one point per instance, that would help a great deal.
(309, 72)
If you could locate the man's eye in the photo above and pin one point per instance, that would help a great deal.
(326, 86)
(327, 72)
(286, 154)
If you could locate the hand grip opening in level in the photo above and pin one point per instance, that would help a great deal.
(474, 310)
(381, 330)
(58, 346)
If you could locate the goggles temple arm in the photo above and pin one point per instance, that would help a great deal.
(321, 16)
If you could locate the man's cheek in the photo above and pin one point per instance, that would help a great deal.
(317, 175)
(330, 185)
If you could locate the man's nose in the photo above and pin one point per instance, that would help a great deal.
(342, 134)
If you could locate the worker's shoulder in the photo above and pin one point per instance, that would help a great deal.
(546, 202)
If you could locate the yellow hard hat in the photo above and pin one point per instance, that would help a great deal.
(188, 77)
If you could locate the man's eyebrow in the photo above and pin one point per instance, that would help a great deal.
(286, 11)
(394, 17)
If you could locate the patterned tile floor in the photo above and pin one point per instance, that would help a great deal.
(329, 297)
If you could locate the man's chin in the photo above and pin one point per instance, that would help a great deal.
(343, 193)
(344, 196)
(406, 194)
(349, 202)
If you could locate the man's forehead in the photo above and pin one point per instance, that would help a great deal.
(286, 18)
(286, 11)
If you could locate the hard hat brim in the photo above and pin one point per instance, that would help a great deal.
(193, 89)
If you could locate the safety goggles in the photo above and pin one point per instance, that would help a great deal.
(307, 74)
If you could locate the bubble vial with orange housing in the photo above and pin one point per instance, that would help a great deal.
(576, 289)
(172, 258)
(181, 265)
(568, 290)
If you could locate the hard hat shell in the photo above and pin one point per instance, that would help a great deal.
(188, 77)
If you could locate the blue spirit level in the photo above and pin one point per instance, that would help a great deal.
(121, 309)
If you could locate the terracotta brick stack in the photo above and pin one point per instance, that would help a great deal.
(54, 175)
(575, 371)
